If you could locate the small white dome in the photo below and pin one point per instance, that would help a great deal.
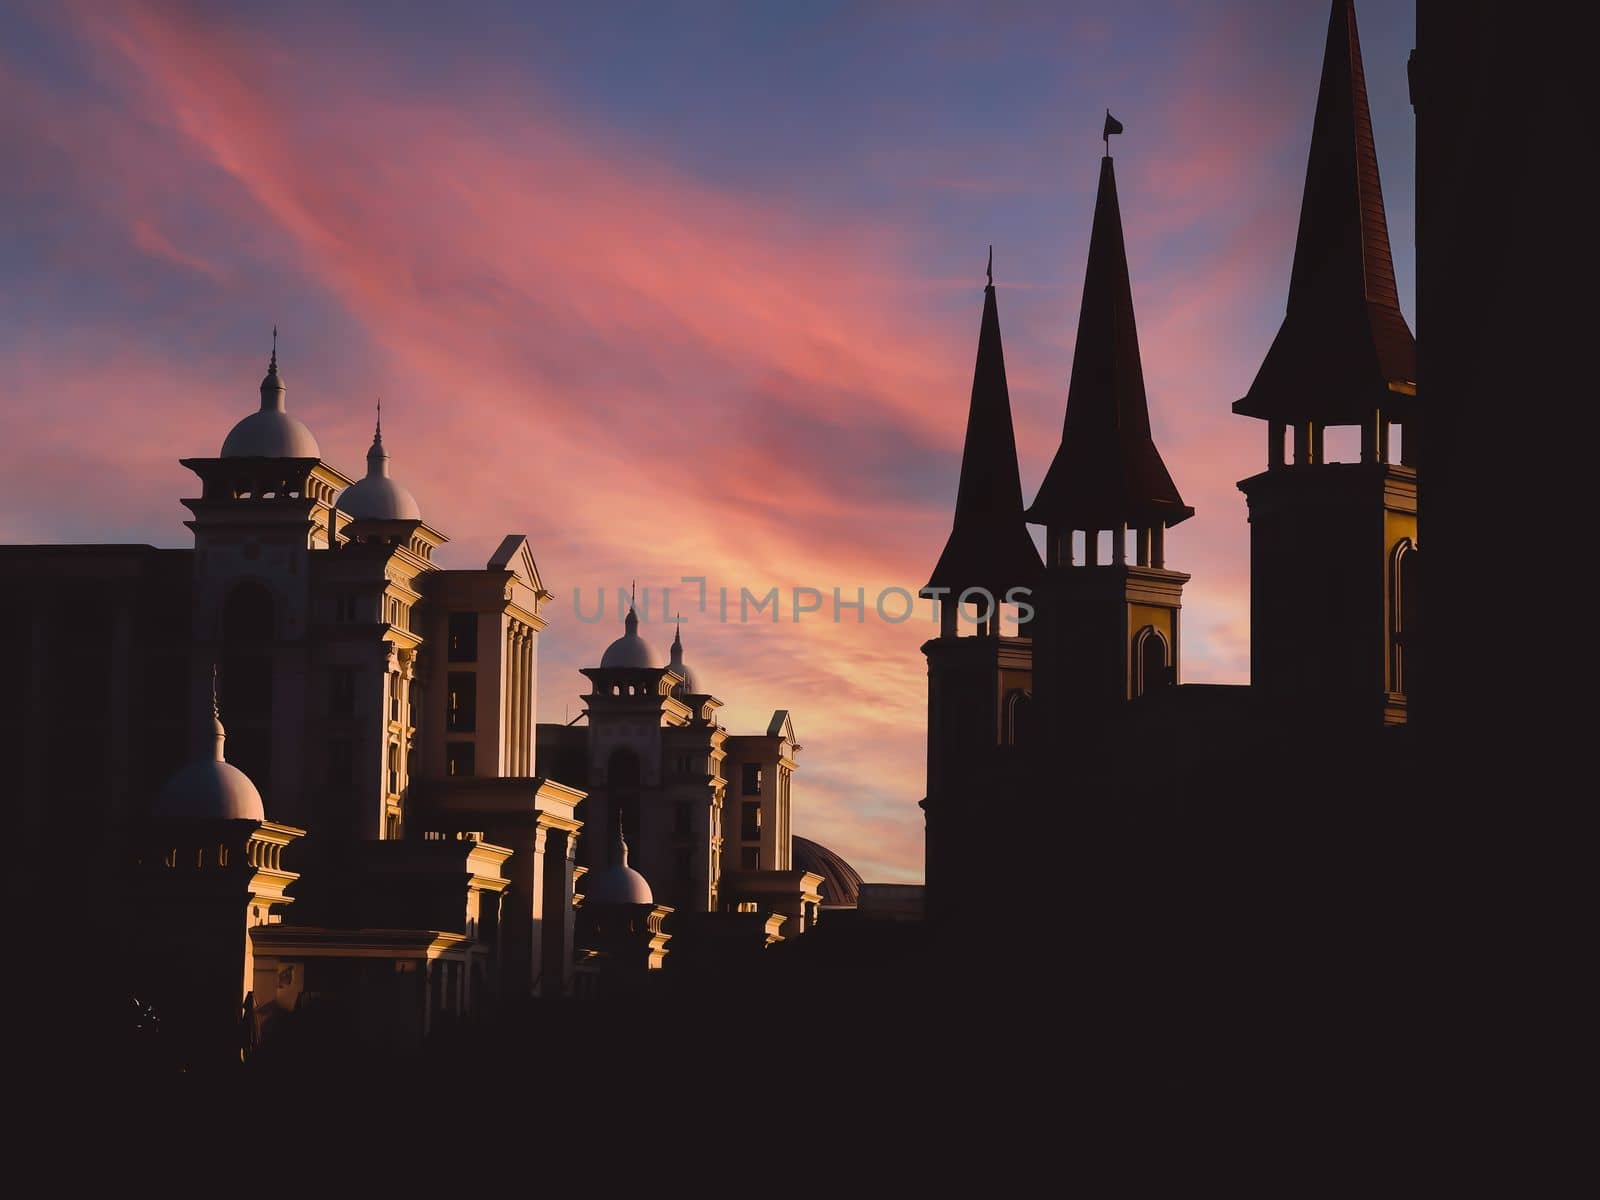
(630, 650)
(617, 885)
(377, 497)
(378, 500)
(210, 791)
(270, 432)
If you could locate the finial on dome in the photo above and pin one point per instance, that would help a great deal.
(218, 734)
(272, 385)
(377, 456)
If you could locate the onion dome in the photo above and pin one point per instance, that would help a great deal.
(630, 650)
(271, 432)
(689, 686)
(841, 883)
(211, 789)
(377, 497)
(619, 883)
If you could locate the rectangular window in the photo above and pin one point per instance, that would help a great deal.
(750, 821)
(340, 761)
(750, 858)
(681, 818)
(393, 766)
(394, 695)
(752, 779)
(461, 702)
(463, 637)
(344, 608)
(460, 759)
(342, 691)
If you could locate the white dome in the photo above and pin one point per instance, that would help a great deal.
(210, 791)
(270, 432)
(378, 500)
(630, 650)
(377, 497)
(617, 885)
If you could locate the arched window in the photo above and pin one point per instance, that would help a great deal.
(1018, 717)
(1402, 609)
(1152, 664)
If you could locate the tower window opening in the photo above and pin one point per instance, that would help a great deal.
(1152, 667)
(1341, 444)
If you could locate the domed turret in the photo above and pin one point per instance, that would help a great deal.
(689, 686)
(271, 432)
(211, 789)
(619, 883)
(377, 497)
(630, 650)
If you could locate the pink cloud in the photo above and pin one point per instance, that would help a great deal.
(651, 375)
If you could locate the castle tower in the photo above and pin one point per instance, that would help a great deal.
(267, 500)
(1107, 628)
(1333, 544)
(209, 869)
(370, 650)
(980, 685)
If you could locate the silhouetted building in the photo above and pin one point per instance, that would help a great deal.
(1084, 712)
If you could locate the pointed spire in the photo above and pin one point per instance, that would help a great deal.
(1344, 348)
(1107, 470)
(272, 389)
(377, 456)
(989, 546)
(677, 639)
(218, 734)
(630, 623)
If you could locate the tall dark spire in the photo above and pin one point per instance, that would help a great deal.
(1108, 471)
(1344, 348)
(989, 546)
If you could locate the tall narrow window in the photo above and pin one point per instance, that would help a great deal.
(460, 759)
(463, 637)
(752, 779)
(461, 702)
(1402, 610)
(750, 821)
(393, 767)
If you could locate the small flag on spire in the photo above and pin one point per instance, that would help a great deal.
(1112, 126)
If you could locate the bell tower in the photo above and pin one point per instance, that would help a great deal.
(979, 685)
(1333, 545)
(1107, 628)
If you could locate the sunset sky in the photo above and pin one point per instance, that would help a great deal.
(675, 290)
